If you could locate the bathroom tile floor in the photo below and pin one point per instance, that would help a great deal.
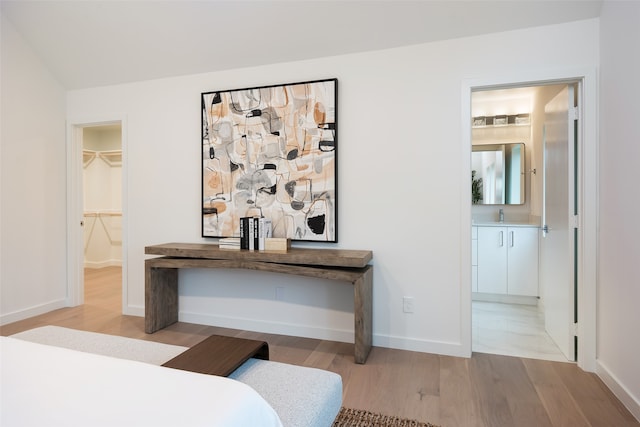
(512, 330)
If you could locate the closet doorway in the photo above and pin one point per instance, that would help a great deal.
(96, 185)
(102, 212)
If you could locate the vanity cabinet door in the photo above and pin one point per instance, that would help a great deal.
(492, 260)
(522, 275)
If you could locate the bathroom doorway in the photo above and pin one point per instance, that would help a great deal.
(510, 299)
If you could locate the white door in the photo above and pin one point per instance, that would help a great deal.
(557, 243)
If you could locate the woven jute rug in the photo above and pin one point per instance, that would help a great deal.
(358, 418)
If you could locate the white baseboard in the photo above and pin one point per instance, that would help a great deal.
(422, 346)
(32, 311)
(506, 299)
(254, 325)
(631, 402)
(102, 264)
(134, 310)
(279, 328)
(269, 327)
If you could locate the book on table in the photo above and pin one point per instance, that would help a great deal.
(254, 231)
(229, 243)
(265, 232)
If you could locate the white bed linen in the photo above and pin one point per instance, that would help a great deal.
(42, 385)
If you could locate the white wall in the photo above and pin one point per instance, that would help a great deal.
(33, 211)
(400, 182)
(619, 236)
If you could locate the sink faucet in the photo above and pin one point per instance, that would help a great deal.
(501, 215)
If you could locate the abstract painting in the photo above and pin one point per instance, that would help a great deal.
(271, 152)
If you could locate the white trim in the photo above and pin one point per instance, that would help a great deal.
(75, 274)
(134, 310)
(332, 334)
(507, 299)
(588, 243)
(258, 325)
(32, 311)
(444, 348)
(465, 222)
(75, 246)
(588, 179)
(124, 142)
(618, 389)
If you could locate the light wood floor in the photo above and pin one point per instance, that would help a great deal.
(485, 390)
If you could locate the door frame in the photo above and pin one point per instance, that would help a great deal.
(587, 193)
(75, 214)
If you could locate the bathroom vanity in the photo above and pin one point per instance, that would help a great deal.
(505, 259)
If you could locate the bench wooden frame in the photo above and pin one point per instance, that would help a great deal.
(219, 355)
(161, 278)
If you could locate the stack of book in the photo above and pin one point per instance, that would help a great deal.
(229, 243)
(253, 233)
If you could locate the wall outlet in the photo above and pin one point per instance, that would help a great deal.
(279, 293)
(407, 304)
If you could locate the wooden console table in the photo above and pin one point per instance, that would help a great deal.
(161, 278)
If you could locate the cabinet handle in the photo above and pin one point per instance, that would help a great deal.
(501, 238)
(513, 241)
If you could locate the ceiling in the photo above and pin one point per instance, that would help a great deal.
(89, 43)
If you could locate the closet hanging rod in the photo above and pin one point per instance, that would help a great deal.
(102, 213)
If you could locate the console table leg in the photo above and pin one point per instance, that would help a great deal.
(161, 297)
(363, 300)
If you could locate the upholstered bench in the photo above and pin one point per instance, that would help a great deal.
(300, 396)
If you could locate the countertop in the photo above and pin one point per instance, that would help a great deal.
(504, 224)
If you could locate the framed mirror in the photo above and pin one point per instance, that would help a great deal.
(497, 174)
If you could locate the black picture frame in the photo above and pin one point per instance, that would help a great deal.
(271, 151)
